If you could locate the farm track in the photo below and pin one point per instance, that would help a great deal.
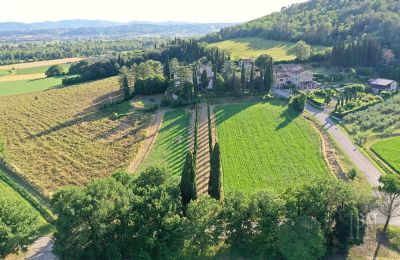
(148, 143)
(203, 152)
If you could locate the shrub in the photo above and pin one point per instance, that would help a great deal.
(54, 71)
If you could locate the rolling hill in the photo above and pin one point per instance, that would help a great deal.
(323, 22)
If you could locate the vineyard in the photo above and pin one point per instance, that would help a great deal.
(171, 144)
(72, 134)
(264, 146)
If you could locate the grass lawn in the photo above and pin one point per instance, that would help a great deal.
(266, 147)
(4, 72)
(172, 142)
(389, 151)
(24, 86)
(71, 134)
(7, 192)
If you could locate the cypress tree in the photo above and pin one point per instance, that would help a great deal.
(243, 78)
(214, 184)
(167, 69)
(195, 82)
(267, 78)
(195, 141)
(252, 79)
(188, 184)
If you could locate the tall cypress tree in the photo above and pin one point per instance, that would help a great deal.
(195, 81)
(188, 184)
(167, 69)
(268, 77)
(252, 79)
(243, 78)
(214, 184)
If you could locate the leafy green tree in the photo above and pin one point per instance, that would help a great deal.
(301, 239)
(298, 102)
(54, 71)
(390, 197)
(219, 83)
(263, 61)
(18, 227)
(167, 68)
(268, 77)
(188, 184)
(214, 184)
(301, 50)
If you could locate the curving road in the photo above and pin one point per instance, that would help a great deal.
(359, 159)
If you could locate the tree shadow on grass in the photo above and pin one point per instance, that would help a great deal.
(288, 115)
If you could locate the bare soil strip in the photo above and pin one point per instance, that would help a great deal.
(39, 63)
(148, 143)
(8, 78)
(203, 152)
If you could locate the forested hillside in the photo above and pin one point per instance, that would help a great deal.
(324, 22)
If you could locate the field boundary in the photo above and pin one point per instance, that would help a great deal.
(147, 145)
(27, 192)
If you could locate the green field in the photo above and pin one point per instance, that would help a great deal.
(7, 192)
(389, 151)
(264, 146)
(171, 144)
(24, 86)
(33, 70)
(254, 47)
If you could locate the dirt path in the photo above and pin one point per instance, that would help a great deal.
(148, 143)
(40, 250)
(203, 152)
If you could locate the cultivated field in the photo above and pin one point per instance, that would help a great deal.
(254, 47)
(29, 85)
(264, 146)
(47, 63)
(172, 142)
(389, 151)
(68, 135)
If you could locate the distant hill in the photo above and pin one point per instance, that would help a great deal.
(323, 22)
(70, 29)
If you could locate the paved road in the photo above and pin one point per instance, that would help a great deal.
(359, 159)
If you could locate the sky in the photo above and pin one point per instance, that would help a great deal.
(140, 10)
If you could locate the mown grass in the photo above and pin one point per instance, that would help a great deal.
(11, 195)
(389, 151)
(26, 86)
(254, 47)
(266, 147)
(69, 136)
(172, 142)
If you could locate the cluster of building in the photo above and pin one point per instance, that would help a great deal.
(295, 75)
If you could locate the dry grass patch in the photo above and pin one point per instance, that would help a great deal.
(70, 135)
(39, 63)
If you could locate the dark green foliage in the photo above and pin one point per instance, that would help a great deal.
(92, 70)
(123, 217)
(18, 227)
(188, 181)
(301, 238)
(124, 83)
(151, 85)
(243, 77)
(324, 22)
(214, 184)
(204, 79)
(54, 71)
(252, 86)
(298, 102)
(167, 69)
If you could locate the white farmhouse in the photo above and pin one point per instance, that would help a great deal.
(294, 74)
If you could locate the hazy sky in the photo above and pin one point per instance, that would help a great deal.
(144, 10)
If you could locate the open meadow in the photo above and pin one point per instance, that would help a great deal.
(29, 85)
(72, 134)
(264, 146)
(172, 142)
